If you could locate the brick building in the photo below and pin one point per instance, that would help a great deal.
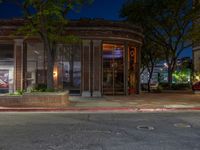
(196, 47)
(196, 58)
(105, 62)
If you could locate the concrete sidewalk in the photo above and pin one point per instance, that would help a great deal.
(145, 102)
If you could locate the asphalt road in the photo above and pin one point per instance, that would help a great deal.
(136, 131)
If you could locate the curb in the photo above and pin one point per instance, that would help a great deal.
(94, 109)
(99, 109)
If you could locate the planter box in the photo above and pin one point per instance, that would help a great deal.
(40, 99)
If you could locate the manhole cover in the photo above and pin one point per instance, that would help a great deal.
(144, 127)
(182, 125)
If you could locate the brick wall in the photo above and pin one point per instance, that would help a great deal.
(36, 100)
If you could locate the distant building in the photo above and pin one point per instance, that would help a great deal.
(160, 72)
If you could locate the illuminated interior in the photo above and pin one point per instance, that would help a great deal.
(6, 68)
(113, 69)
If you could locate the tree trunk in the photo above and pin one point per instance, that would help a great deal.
(149, 80)
(50, 67)
(170, 77)
(71, 71)
(149, 87)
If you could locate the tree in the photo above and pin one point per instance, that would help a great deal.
(47, 18)
(151, 54)
(196, 24)
(166, 23)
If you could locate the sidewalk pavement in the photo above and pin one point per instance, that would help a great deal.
(145, 102)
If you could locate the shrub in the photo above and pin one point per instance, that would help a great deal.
(164, 85)
(176, 86)
(50, 90)
(181, 86)
(41, 88)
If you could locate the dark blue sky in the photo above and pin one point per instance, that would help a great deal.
(107, 9)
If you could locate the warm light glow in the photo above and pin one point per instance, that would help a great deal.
(198, 78)
(55, 74)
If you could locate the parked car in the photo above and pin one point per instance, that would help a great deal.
(196, 86)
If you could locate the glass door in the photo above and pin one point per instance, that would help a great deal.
(113, 69)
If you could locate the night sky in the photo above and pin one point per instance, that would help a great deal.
(106, 9)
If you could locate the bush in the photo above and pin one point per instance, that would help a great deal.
(176, 86)
(50, 90)
(181, 86)
(20, 92)
(41, 88)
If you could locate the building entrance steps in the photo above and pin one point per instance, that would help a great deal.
(145, 102)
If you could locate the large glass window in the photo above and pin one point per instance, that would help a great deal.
(35, 64)
(6, 68)
(69, 67)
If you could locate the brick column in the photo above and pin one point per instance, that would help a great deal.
(138, 64)
(126, 72)
(18, 64)
(86, 69)
(25, 66)
(97, 67)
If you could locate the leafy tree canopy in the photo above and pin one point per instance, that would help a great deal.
(47, 18)
(167, 23)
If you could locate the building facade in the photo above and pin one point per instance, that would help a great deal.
(106, 61)
(196, 58)
(196, 47)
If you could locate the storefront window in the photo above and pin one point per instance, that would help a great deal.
(69, 68)
(113, 69)
(35, 64)
(6, 68)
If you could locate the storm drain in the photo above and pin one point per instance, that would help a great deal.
(144, 127)
(182, 125)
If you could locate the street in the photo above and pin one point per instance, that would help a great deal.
(114, 131)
